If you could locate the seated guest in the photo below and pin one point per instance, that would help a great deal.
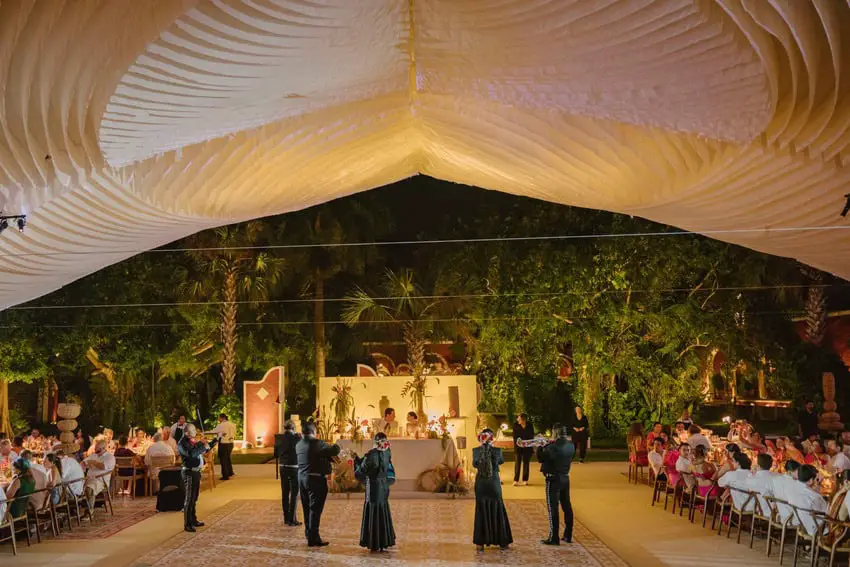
(729, 460)
(671, 457)
(783, 486)
(793, 451)
(695, 437)
(54, 476)
(703, 470)
(139, 442)
(637, 445)
(168, 439)
(809, 443)
(3, 504)
(72, 473)
(7, 455)
(34, 439)
(817, 457)
(754, 442)
(124, 450)
(388, 425)
(22, 486)
(109, 435)
(657, 431)
(98, 466)
(806, 497)
(656, 457)
(159, 448)
(39, 474)
(761, 482)
(680, 433)
(838, 461)
(18, 444)
(737, 478)
(684, 466)
(411, 428)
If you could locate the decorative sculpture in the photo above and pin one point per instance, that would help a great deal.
(829, 420)
(69, 414)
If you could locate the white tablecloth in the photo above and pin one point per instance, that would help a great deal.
(411, 457)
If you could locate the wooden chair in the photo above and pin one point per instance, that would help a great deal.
(14, 521)
(636, 470)
(6, 523)
(659, 486)
(43, 515)
(152, 471)
(819, 519)
(78, 499)
(135, 473)
(63, 503)
(761, 515)
(778, 509)
(835, 539)
(744, 511)
(104, 497)
(710, 499)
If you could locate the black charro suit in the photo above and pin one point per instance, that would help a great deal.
(556, 459)
(314, 464)
(284, 450)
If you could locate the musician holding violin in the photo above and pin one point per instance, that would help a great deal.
(555, 458)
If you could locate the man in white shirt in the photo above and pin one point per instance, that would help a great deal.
(783, 486)
(226, 433)
(96, 465)
(656, 456)
(159, 449)
(178, 428)
(388, 424)
(737, 478)
(697, 438)
(684, 465)
(762, 482)
(72, 473)
(3, 504)
(805, 497)
(168, 439)
(838, 461)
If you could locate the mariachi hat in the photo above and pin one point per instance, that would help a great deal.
(382, 444)
(485, 436)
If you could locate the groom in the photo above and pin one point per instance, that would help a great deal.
(314, 464)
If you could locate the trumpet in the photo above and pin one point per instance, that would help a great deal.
(536, 442)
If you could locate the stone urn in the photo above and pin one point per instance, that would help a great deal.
(829, 420)
(69, 414)
(68, 411)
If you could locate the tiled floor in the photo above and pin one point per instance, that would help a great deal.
(429, 532)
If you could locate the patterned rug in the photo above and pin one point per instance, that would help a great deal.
(437, 533)
(127, 513)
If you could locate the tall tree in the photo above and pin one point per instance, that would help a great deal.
(421, 318)
(229, 266)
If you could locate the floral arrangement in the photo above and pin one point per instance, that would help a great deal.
(438, 429)
(343, 479)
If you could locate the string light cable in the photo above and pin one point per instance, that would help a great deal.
(427, 297)
(565, 237)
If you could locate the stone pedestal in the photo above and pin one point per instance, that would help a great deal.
(69, 414)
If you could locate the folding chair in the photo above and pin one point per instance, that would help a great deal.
(13, 521)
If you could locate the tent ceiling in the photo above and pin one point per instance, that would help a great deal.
(126, 125)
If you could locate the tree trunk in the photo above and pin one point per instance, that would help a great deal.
(815, 309)
(761, 380)
(228, 334)
(319, 327)
(708, 373)
(5, 418)
(591, 402)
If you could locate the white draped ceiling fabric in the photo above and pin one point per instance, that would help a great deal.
(126, 124)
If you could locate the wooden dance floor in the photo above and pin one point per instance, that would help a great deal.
(429, 532)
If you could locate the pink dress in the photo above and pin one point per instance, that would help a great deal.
(703, 490)
(673, 475)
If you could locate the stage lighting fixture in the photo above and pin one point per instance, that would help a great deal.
(22, 222)
(4, 224)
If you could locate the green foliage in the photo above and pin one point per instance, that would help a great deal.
(231, 406)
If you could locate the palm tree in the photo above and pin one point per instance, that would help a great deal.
(815, 307)
(421, 317)
(231, 267)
